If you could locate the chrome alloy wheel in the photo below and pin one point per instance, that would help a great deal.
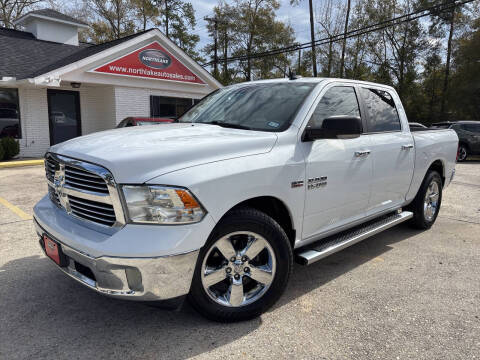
(430, 204)
(238, 269)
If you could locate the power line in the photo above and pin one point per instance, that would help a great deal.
(440, 8)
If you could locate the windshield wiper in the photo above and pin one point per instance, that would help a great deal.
(228, 125)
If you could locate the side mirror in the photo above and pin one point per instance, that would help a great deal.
(335, 127)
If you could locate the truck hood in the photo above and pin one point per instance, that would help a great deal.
(138, 154)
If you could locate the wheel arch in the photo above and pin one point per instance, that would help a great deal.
(438, 166)
(464, 143)
(273, 207)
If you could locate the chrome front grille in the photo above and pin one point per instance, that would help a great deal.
(92, 210)
(50, 167)
(83, 190)
(84, 180)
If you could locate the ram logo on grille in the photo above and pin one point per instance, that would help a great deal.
(58, 184)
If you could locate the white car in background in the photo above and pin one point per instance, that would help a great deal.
(219, 205)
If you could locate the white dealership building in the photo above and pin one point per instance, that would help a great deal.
(53, 87)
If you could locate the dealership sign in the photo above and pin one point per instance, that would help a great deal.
(153, 62)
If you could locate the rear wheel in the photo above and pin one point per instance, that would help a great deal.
(426, 204)
(462, 153)
(243, 269)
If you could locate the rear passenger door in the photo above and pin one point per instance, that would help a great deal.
(392, 149)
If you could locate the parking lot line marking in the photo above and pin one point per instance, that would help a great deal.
(22, 214)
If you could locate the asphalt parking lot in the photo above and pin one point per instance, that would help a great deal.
(400, 294)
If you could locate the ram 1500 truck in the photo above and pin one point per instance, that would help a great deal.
(218, 205)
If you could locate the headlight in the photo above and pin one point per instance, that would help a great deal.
(161, 205)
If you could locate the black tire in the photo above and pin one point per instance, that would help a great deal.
(462, 153)
(420, 220)
(251, 220)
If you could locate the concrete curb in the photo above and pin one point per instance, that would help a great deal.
(10, 164)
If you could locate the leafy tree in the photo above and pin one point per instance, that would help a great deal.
(395, 50)
(245, 28)
(220, 25)
(256, 29)
(313, 53)
(444, 23)
(11, 10)
(304, 63)
(330, 20)
(177, 19)
(115, 19)
(146, 11)
(432, 85)
(356, 64)
(465, 94)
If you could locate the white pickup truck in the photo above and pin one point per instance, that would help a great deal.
(218, 205)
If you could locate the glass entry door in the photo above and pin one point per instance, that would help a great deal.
(64, 115)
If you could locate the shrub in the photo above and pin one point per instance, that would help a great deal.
(2, 152)
(11, 147)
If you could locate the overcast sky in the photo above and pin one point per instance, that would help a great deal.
(296, 16)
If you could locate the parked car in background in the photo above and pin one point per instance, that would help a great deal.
(468, 134)
(140, 121)
(416, 125)
(219, 204)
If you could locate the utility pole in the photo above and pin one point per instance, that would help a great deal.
(443, 114)
(312, 38)
(299, 60)
(215, 44)
(344, 44)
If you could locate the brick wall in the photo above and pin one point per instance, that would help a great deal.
(97, 108)
(34, 122)
(131, 102)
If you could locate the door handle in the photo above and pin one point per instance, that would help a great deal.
(408, 146)
(362, 153)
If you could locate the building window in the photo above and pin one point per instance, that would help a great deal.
(169, 107)
(9, 113)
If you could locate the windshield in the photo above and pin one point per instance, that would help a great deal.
(142, 123)
(260, 106)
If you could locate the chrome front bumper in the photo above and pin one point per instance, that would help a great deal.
(145, 279)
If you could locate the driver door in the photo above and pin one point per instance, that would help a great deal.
(339, 171)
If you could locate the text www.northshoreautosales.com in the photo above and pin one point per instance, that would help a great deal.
(147, 72)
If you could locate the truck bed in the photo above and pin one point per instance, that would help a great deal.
(430, 144)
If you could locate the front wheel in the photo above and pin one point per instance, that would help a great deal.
(243, 269)
(426, 204)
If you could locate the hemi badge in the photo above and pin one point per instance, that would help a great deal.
(296, 184)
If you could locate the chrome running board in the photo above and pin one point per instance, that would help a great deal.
(321, 249)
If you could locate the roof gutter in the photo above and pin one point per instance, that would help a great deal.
(39, 81)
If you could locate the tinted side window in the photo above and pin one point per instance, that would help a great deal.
(339, 100)
(472, 127)
(382, 114)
